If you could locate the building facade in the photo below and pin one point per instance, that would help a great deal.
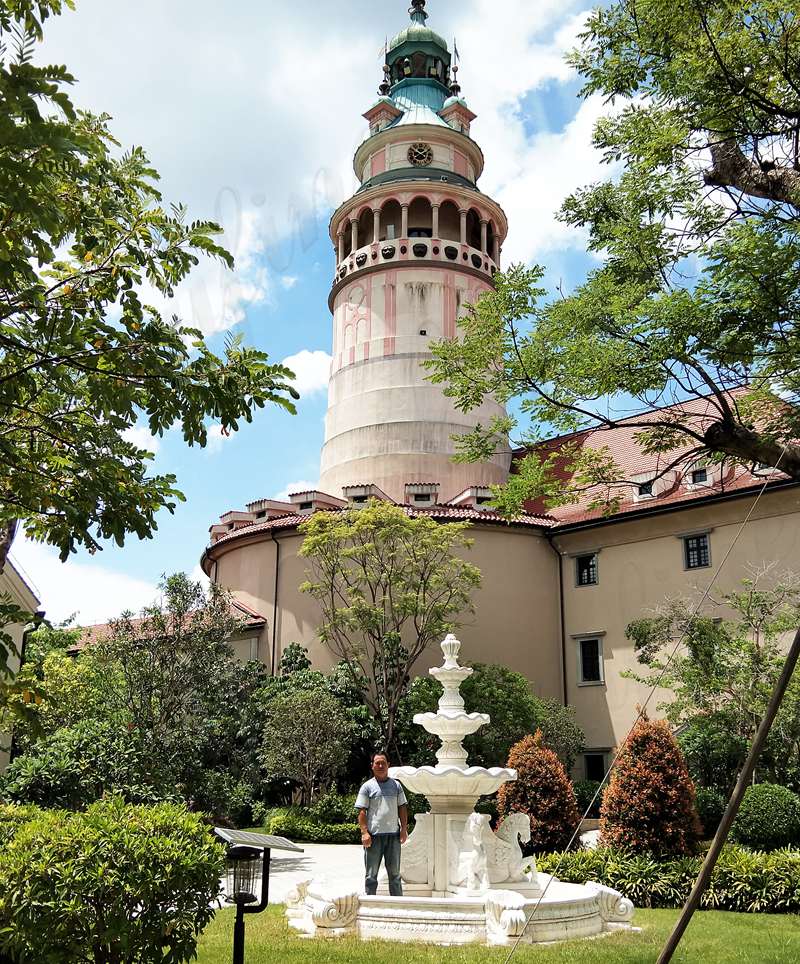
(14, 586)
(417, 242)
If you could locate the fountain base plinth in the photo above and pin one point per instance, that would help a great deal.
(496, 918)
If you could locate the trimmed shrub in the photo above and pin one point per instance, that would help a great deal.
(297, 823)
(117, 884)
(743, 881)
(710, 809)
(649, 805)
(768, 819)
(585, 791)
(543, 791)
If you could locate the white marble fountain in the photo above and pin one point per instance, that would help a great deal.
(462, 883)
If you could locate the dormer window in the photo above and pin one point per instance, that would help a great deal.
(306, 506)
(646, 490)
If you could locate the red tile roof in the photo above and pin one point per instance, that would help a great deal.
(101, 631)
(627, 453)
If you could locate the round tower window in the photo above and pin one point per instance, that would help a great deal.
(420, 155)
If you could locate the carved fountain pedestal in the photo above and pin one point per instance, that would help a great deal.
(462, 883)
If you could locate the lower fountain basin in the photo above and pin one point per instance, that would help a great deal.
(453, 782)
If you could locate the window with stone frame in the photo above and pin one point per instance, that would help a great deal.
(586, 571)
(697, 551)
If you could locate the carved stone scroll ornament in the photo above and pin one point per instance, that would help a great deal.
(333, 912)
(417, 854)
(614, 908)
(505, 916)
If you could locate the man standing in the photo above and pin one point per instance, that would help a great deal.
(383, 819)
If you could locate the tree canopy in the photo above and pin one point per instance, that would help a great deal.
(388, 586)
(697, 231)
(84, 358)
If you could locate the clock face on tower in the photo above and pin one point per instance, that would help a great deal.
(420, 155)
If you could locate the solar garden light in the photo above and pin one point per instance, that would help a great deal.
(247, 876)
(245, 866)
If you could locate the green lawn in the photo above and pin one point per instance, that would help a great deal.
(712, 938)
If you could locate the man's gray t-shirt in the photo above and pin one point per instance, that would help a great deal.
(381, 801)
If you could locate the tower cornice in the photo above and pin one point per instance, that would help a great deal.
(429, 132)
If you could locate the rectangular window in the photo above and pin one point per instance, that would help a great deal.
(697, 552)
(586, 570)
(646, 488)
(591, 659)
(595, 766)
(700, 477)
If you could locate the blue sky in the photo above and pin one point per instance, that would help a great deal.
(252, 117)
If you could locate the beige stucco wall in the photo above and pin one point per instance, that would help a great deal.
(641, 564)
(12, 584)
(516, 622)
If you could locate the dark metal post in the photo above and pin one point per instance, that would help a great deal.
(238, 936)
(733, 806)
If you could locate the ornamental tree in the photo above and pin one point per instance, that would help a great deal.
(307, 740)
(388, 586)
(649, 805)
(721, 676)
(696, 297)
(83, 356)
(543, 791)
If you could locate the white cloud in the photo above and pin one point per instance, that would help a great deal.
(140, 436)
(313, 371)
(289, 281)
(293, 487)
(197, 575)
(93, 593)
(217, 437)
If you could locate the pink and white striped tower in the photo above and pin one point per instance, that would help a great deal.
(415, 244)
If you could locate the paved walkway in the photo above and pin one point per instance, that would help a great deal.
(339, 864)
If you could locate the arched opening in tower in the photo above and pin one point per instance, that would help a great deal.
(420, 218)
(474, 229)
(391, 220)
(449, 222)
(365, 227)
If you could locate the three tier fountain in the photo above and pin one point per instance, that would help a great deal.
(462, 883)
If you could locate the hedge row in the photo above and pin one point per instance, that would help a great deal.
(299, 824)
(743, 880)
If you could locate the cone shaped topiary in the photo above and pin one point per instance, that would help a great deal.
(543, 791)
(649, 806)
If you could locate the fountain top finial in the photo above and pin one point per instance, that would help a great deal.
(451, 647)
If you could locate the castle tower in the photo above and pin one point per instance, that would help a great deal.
(415, 244)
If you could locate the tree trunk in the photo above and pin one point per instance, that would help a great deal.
(7, 532)
(731, 168)
(730, 438)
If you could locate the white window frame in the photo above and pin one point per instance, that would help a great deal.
(582, 638)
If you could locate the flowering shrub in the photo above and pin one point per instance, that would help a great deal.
(543, 791)
(649, 806)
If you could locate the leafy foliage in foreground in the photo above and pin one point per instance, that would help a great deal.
(114, 885)
(743, 880)
(698, 229)
(87, 250)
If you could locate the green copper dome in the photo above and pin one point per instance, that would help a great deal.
(418, 33)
